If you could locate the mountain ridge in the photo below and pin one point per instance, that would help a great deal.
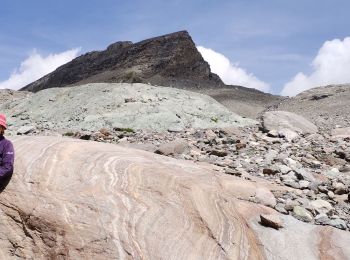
(171, 60)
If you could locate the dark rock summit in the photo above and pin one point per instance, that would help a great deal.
(171, 60)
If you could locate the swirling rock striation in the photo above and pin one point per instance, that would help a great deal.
(71, 199)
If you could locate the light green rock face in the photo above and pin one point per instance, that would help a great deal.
(137, 106)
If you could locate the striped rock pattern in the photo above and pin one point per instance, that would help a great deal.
(73, 199)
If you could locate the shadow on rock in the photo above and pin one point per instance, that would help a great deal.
(4, 182)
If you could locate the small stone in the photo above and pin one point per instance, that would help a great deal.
(280, 208)
(272, 133)
(291, 183)
(292, 163)
(240, 146)
(288, 134)
(268, 171)
(219, 153)
(339, 188)
(233, 172)
(321, 206)
(338, 223)
(105, 131)
(331, 194)
(322, 219)
(25, 130)
(302, 214)
(345, 168)
(172, 148)
(322, 188)
(289, 176)
(210, 134)
(290, 204)
(284, 169)
(272, 221)
(304, 184)
(303, 174)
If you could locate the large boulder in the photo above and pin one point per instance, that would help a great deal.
(74, 199)
(281, 120)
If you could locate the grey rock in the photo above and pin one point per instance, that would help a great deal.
(322, 219)
(284, 169)
(302, 214)
(303, 174)
(294, 165)
(321, 206)
(338, 223)
(287, 134)
(331, 194)
(172, 148)
(278, 120)
(290, 204)
(339, 188)
(304, 184)
(25, 130)
(345, 168)
(280, 207)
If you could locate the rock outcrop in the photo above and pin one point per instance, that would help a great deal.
(71, 199)
(136, 106)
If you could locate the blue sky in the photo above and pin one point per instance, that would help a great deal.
(273, 40)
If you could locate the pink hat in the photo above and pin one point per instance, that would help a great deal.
(3, 120)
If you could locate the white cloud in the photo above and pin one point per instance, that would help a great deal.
(330, 66)
(36, 66)
(231, 74)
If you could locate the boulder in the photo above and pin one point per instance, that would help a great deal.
(281, 120)
(173, 148)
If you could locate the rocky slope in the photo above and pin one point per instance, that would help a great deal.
(171, 60)
(328, 107)
(71, 199)
(245, 102)
(123, 105)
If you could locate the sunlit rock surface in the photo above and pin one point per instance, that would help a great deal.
(71, 199)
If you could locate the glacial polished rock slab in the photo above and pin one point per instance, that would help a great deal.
(74, 199)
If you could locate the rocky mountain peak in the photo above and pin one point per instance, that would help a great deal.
(170, 60)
